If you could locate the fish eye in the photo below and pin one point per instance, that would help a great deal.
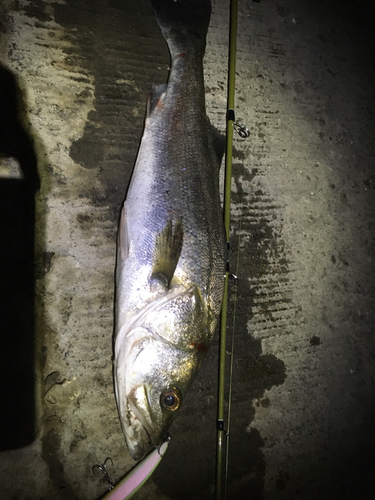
(170, 399)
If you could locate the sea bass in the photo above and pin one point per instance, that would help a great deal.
(171, 245)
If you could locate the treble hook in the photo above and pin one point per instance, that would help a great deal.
(103, 469)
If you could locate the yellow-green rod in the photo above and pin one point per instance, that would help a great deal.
(230, 106)
(220, 452)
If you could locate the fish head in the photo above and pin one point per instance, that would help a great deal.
(156, 363)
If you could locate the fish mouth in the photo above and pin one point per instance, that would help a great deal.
(142, 426)
(137, 437)
(141, 418)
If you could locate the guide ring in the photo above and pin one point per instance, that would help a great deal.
(241, 130)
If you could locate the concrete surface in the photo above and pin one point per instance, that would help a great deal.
(302, 415)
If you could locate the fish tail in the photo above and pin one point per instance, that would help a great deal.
(184, 24)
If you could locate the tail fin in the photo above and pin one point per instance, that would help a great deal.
(184, 23)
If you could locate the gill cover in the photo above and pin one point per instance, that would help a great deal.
(153, 375)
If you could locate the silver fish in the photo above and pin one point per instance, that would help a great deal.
(171, 245)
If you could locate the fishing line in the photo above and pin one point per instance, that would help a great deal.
(243, 132)
(227, 196)
(232, 361)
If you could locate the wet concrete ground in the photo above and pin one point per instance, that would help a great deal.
(302, 416)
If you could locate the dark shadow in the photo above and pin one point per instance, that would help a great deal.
(189, 473)
(17, 210)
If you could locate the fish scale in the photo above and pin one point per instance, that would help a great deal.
(171, 246)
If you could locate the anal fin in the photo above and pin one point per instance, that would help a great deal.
(122, 235)
(154, 98)
(167, 253)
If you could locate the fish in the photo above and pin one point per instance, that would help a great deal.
(171, 247)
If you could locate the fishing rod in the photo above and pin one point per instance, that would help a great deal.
(227, 198)
(223, 434)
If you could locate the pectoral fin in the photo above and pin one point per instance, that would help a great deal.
(167, 253)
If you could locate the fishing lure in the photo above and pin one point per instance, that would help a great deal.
(131, 483)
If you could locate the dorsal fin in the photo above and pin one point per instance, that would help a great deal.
(167, 253)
